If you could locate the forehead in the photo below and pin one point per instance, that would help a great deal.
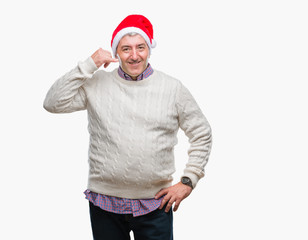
(132, 40)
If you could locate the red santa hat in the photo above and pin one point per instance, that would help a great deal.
(133, 24)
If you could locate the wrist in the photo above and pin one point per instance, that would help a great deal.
(187, 181)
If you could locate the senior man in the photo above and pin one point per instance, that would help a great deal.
(134, 114)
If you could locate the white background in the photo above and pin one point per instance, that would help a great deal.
(245, 62)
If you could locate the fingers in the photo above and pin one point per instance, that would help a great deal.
(161, 193)
(110, 60)
(176, 205)
(170, 200)
(103, 57)
(173, 195)
(164, 201)
(169, 204)
(114, 60)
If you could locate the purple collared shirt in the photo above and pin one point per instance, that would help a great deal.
(136, 207)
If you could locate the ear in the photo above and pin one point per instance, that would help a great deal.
(118, 57)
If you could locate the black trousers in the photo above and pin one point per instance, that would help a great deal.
(156, 225)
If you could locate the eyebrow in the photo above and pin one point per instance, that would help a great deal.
(138, 45)
(142, 44)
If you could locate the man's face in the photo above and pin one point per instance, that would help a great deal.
(133, 52)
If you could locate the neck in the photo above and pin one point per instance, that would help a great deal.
(135, 77)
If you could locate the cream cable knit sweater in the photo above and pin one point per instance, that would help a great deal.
(133, 128)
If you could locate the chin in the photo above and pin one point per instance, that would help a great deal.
(135, 72)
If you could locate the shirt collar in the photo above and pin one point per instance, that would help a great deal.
(145, 74)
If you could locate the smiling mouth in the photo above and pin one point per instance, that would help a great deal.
(134, 63)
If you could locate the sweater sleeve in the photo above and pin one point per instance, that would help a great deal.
(197, 129)
(67, 94)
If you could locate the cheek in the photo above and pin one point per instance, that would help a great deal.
(122, 56)
(145, 56)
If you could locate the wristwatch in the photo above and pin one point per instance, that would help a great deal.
(186, 181)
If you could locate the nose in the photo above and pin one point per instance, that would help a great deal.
(134, 54)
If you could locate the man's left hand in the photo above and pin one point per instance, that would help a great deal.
(174, 194)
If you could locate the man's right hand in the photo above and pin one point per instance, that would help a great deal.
(103, 57)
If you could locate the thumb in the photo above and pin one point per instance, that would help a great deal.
(106, 64)
(110, 60)
(160, 193)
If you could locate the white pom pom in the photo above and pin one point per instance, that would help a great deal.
(153, 43)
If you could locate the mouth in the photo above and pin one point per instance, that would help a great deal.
(134, 63)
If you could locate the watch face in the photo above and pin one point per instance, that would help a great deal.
(185, 180)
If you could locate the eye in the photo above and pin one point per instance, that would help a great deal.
(141, 47)
(125, 49)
